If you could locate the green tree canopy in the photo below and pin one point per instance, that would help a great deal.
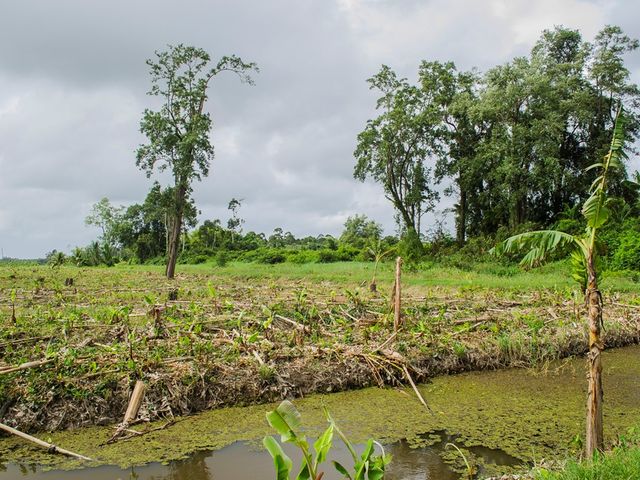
(360, 231)
(178, 131)
(395, 148)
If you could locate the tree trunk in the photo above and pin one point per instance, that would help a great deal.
(461, 227)
(174, 236)
(595, 436)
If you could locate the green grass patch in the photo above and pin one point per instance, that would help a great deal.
(623, 463)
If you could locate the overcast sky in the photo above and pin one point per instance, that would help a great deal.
(73, 81)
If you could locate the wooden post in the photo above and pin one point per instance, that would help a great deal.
(132, 411)
(397, 294)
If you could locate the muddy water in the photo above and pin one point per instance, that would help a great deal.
(501, 420)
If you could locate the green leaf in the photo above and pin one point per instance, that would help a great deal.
(367, 451)
(537, 245)
(323, 444)
(595, 210)
(342, 436)
(595, 165)
(286, 420)
(375, 473)
(304, 473)
(281, 461)
(342, 470)
(579, 268)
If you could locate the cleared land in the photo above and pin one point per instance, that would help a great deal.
(251, 333)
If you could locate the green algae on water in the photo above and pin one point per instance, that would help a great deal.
(528, 415)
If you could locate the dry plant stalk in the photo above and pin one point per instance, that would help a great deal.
(415, 389)
(396, 296)
(132, 411)
(26, 365)
(51, 448)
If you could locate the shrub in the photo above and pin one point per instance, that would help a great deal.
(269, 256)
(627, 255)
(222, 258)
(328, 256)
(302, 256)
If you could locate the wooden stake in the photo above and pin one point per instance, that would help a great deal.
(49, 446)
(396, 294)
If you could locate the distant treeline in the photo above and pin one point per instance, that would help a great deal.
(137, 234)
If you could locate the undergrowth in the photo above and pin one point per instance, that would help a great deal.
(236, 335)
(621, 463)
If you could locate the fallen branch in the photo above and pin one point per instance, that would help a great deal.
(479, 319)
(26, 365)
(51, 448)
(468, 329)
(348, 314)
(135, 433)
(386, 342)
(291, 322)
(626, 305)
(24, 340)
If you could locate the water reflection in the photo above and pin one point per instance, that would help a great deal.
(243, 462)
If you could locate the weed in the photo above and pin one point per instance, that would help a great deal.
(286, 421)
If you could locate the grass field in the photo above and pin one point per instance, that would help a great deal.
(248, 333)
(481, 275)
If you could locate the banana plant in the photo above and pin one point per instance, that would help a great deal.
(378, 254)
(583, 250)
(286, 420)
(367, 466)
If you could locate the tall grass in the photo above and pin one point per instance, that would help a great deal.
(621, 464)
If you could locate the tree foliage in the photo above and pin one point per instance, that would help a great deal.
(512, 144)
(395, 148)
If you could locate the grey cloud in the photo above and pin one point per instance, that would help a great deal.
(73, 83)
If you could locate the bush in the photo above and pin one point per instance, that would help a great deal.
(328, 256)
(222, 258)
(270, 256)
(627, 254)
(622, 462)
(302, 256)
